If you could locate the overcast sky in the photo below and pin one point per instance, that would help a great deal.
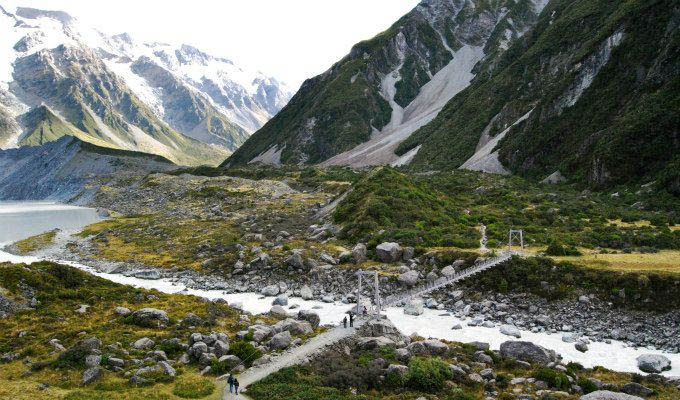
(289, 39)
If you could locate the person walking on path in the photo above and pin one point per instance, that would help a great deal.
(236, 385)
(344, 322)
(351, 320)
(230, 381)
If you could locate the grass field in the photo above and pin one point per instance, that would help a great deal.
(665, 261)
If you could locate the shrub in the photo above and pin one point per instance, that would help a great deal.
(193, 387)
(558, 250)
(587, 385)
(554, 379)
(459, 394)
(245, 351)
(428, 374)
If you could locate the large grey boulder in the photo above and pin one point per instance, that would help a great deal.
(91, 375)
(607, 395)
(381, 327)
(122, 311)
(637, 390)
(143, 343)
(359, 253)
(278, 310)
(389, 252)
(370, 343)
(295, 260)
(527, 351)
(293, 326)
(280, 341)
(229, 361)
(409, 278)
(414, 307)
(428, 347)
(150, 317)
(511, 330)
(81, 350)
(167, 368)
(306, 293)
(271, 290)
(397, 369)
(280, 300)
(448, 271)
(653, 363)
(555, 177)
(310, 316)
(221, 348)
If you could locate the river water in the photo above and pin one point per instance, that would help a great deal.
(21, 220)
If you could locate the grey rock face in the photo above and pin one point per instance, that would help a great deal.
(306, 293)
(527, 351)
(653, 363)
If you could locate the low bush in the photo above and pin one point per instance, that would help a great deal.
(245, 351)
(427, 374)
(554, 379)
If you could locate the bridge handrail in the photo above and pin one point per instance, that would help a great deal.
(444, 281)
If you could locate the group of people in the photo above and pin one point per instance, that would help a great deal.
(351, 320)
(233, 384)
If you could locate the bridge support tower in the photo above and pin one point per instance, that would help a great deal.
(371, 278)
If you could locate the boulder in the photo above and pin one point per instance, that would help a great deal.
(122, 311)
(607, 395)
(167, 369)
(306, 293)
(192, 320)
(296, 261)
(93, 360)
(281, 300)
(637, 390)
(555, 177)
(197, 349)
(414, 307)
(653, 363)
(143, 343)
(381, 327)
(207, 359)
(221, 348)
(327, 299)
(310, 316)
(581, 346)
(280, 341)
(409, 278)
(229, 361)
(293, 326)
(389, 252)
(278, 310)
(527, 351)
(81, 350)
(359, 253)
(397, 369)
(150, 317)
(91, 375)
(116, 362)
(408, 253)
(370, 343)
(448, 271)
(271, 290)
(511, 331)
(428, 347)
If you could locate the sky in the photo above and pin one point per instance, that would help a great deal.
(291, 40)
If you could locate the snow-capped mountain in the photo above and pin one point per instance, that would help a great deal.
(113, 91)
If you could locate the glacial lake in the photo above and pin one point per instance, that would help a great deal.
(19, 220)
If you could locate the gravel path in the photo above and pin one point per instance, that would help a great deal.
(291, 357)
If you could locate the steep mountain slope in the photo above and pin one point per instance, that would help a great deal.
(391, 85)
(591, 91)
(68, 169)
(157, 98)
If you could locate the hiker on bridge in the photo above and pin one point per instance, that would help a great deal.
(344, 322)
(236, 385)
(230, 381)
(351, 320)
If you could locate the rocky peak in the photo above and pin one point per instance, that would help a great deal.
(34, 13)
